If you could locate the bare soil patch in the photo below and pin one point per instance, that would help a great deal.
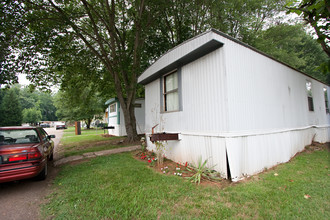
(172, 166)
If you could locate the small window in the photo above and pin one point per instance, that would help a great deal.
(137, 105)
(113, 108)
(309, 96)
(326, 100)
(171, 92)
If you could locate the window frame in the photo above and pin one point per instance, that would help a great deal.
(115, 108)
(177, 90)
(309, 92)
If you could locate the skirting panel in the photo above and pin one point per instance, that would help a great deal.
(247, 155)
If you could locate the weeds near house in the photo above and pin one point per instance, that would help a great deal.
(143, 144)
(201, 170)
(160, 150)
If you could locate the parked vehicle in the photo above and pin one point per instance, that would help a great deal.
(60, 126)
(45, 125)
(24, 153)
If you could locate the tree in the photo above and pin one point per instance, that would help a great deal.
(43, 101)
(83, 106)
(11, 14)
(112, 32)
(31, 115)
(243, 19)
(11, 109)
(292, 45)
(119, 39)
(317, 14)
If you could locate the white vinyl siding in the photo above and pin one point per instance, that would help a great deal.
(237, 106)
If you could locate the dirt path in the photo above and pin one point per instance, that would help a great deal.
(22, 199)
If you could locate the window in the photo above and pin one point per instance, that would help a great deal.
(43, 134)
(24, 136)
(309, 95)
(326, 100)
(113, 108)
(171, 92)
(137, 105)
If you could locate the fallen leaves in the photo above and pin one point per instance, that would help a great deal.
(307, 196)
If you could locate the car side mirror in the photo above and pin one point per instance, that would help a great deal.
(51, 136)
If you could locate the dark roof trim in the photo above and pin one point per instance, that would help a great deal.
(110, 101)
(201, 51)
(262, 53)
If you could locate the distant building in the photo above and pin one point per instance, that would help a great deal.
(115, 117)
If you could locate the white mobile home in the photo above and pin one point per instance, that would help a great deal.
(115, 117)
(233, 105)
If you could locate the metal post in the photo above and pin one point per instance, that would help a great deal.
(77, 127)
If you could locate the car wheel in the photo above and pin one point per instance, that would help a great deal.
(43, 174)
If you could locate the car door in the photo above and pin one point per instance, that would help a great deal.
(46, 144)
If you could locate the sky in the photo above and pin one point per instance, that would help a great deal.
(22, 80)
(25, 82)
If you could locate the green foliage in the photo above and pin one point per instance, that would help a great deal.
(109, 43)
(43, 101)
(243, 19)
(31, 115)
(317, 14)
(31, 107)
(292, 45)
(79, 103)
(12, 21)
(201, 171)
(11, 113)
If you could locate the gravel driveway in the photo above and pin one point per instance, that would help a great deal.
(22, 199)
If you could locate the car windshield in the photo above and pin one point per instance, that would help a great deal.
(24, 136)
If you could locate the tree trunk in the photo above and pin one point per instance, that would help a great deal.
(88, 123)
(130, 121)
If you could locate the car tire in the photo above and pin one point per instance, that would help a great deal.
(43, 174)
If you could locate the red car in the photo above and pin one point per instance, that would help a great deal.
(24, 153)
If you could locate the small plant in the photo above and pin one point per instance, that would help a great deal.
(160, 148)
(143, 144)
(151, 161)
(143, 156)
(178, 170)
(201, 171)
(165, 170)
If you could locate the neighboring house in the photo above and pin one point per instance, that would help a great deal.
(233, 105)
(115, 117)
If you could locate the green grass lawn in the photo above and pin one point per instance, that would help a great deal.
(120, 187)
(91, 135)
(88, 141)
